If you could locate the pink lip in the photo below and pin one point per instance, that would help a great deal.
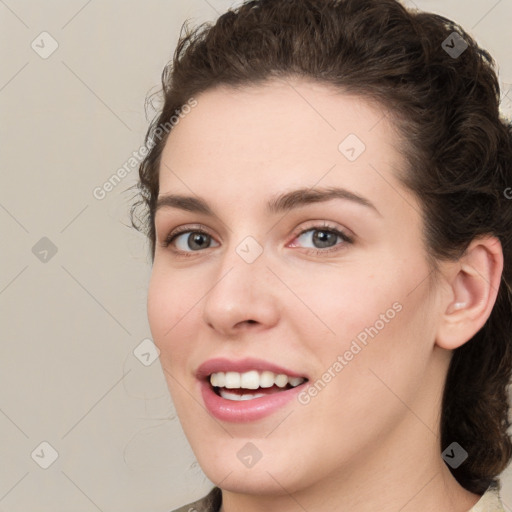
(246, 410)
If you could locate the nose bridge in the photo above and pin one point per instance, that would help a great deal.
(242, 288)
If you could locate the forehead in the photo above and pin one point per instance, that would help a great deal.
(293, 109)
(276, 135)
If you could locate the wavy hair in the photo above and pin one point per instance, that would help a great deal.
(458, 150)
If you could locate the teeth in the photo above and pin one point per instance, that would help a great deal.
(218, 379)
(232, 380)
(237, 398)
(295, 381)
(281, 380)
(266, 379)
(252, 380)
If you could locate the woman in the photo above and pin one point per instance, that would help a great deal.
(325, 198)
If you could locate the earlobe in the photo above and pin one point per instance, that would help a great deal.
(474, 282)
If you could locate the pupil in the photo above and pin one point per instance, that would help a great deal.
(323, 235)
(195, 238)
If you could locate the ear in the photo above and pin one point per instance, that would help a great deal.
(473, 282)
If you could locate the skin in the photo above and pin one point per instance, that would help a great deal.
(370, 439)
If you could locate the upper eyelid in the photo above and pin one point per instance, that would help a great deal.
(299, 231)
(296, 231)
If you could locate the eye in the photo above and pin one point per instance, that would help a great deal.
(188, 241)
(195, 240)
(324, 238)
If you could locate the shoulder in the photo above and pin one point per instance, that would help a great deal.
(489, 502)
(210, 503)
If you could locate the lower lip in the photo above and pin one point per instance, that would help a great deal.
(245, 410)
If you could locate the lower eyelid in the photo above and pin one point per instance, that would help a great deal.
(345, 239)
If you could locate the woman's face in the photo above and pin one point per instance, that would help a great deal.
(351, 312)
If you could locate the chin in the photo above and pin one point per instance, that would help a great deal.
(270, 477)
(250, 482)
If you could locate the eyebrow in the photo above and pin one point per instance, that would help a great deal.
(278, 204)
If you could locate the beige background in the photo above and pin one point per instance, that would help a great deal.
(72, 320)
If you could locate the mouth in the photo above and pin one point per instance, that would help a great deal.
(252, 384)
(247, 390)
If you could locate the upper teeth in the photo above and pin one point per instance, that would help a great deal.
(253, 380)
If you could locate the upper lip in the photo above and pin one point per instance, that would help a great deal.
(241, 366)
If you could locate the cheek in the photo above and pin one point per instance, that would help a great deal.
(350, 301)
(386, 340)
(172, 322)
(380, 320)
(167, 307)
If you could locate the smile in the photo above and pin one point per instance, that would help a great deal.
(241, 384)
(246, 390)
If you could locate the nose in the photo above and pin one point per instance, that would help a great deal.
(241, 296)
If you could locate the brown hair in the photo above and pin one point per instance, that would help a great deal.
(458, 150)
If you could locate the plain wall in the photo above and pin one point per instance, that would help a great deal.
(74, 275)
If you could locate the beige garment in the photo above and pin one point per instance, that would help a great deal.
(210, 503)
(489, 502)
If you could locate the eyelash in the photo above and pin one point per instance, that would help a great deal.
(324, 227)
